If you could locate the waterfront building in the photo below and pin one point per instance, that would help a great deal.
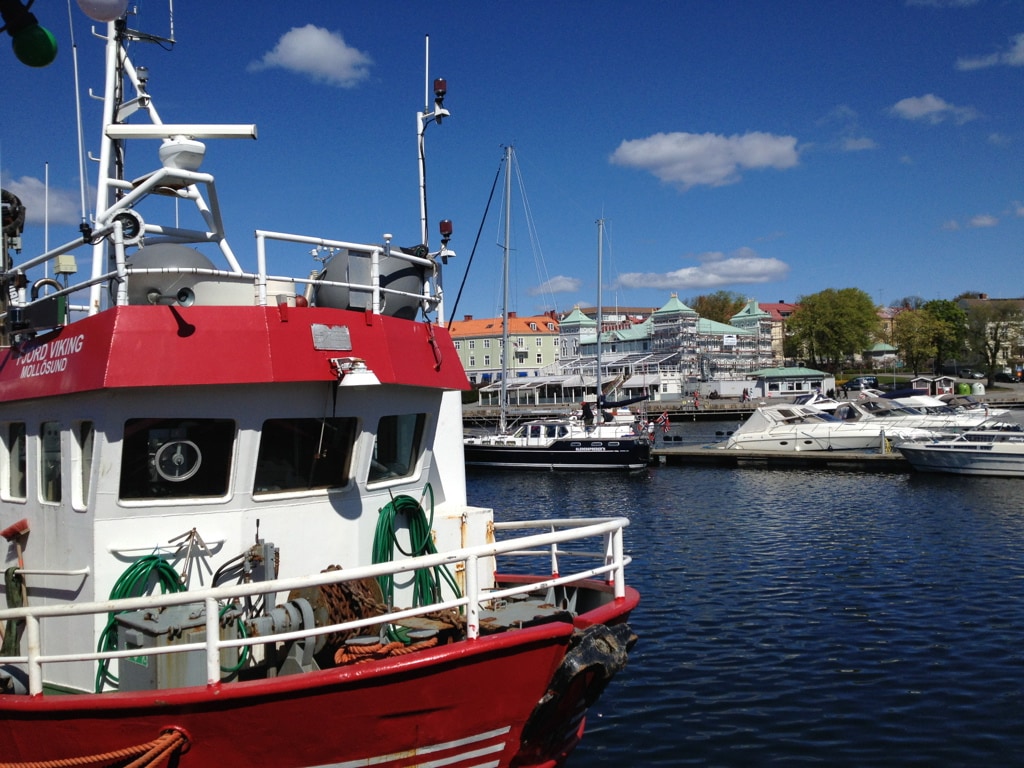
(533, 342)
(664, 352)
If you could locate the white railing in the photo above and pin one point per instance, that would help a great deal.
(122, 272)
(611, 565)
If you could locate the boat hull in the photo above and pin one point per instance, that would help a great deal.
(435, 705)
(791, 443)
(966, 459)
(570, 454)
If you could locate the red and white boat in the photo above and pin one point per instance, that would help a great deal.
(234, 502)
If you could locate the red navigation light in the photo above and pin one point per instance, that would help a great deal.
(446, 228)
(440, 88)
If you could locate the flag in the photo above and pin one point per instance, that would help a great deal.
(663, 420)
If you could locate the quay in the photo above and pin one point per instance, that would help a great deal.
(856, 461)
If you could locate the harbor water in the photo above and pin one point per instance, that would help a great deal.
(795, 617)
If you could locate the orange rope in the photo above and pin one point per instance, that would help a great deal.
(154, 753)
(357, 654)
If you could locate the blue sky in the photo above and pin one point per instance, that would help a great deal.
(771, 149)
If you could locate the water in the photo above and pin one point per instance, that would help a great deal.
(793, 617)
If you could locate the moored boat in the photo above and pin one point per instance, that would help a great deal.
(995, 448)
(235, 504)
(792, 427)
(594, 440)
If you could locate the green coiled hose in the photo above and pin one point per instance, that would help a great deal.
(427, 582)
(140, 578)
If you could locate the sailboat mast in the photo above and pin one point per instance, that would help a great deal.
(507, 250)
(600, 307)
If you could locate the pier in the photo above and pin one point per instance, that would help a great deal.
(856, 461)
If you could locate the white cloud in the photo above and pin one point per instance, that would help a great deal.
(1018, 208)
(318, 53)
(952, 225)
(689, 159)
(932, 109)
(557, 284)
(852, 144)
(65, 205)
(1014, 57)
(743, 267)
(983, 220)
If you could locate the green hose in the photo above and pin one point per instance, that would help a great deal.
(427, 582)
(140, 578)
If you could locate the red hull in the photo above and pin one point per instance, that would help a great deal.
(466, 704)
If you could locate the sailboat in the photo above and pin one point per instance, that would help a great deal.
(587, 442)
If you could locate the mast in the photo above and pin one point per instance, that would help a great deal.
(600, 310)
(506, 250)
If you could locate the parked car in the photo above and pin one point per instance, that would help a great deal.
(970, 373)
(862, 382)
(1006, 377)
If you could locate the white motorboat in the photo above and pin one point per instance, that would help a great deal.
(791, 427)
(900, 414)
(995, 448)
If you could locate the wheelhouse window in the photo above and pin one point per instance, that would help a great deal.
(14, 485)
(49, 462)
(304, 454)
(176, 458)
(82, 463)
(397, 447)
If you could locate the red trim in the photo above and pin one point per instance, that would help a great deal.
(143, 346)
(436, 697)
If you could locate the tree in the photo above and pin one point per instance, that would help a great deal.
(719, 306)
(992, 328)
(832, 325)
(914, 333)
(951, 331)
(909, 302)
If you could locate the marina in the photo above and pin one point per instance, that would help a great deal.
(806, 615)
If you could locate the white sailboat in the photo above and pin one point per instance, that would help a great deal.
(565, 443)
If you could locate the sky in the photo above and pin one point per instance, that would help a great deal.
(768, 149)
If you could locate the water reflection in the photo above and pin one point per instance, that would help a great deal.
(805, 616)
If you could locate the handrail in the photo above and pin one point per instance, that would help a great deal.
(260, 278)
(612, 563)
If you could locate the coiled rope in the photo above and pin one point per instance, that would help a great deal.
(357, 654)
(150, 755)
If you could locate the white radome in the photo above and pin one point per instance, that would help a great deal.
(103, 10)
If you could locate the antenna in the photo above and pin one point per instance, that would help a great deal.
(84, 226)
(46, 216)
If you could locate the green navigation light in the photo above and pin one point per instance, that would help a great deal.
(35, 46)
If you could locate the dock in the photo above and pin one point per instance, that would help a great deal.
(854, 461)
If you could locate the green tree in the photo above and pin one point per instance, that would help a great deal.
(832, 325)
(951, 332)
(719, 306)
(914, 333)
(993, 327)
